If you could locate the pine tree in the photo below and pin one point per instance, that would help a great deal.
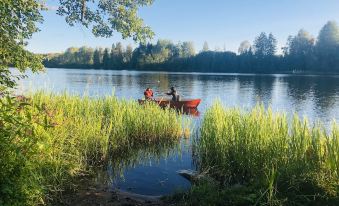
(205, 48)
(128, 55)
(96, 59)
(106, 59)
(260, 45)
(271, 45)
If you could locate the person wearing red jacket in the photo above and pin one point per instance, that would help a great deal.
(148, 94)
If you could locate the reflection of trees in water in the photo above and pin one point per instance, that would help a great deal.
(78, 77)
(128, 157)
(261, 85)
(245, 82)
(322, 90)
(325, 92)
(157, 81)
(94, 78)
(299, 89)
(211, 87)
(163, 82)
(183, 83)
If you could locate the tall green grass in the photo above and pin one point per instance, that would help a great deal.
(286, 161)
(77, 134)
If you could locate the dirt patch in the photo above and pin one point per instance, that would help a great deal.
(104, 197)
(101, 195)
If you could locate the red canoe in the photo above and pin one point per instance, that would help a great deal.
(182, 104)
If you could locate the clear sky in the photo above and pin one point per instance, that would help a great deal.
(222, 23)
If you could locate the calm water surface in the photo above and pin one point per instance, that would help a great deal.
(316, 97)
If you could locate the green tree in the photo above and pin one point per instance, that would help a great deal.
(244, 47)
(327, 47)
(301, 44)
(265, 48)
(18, 18)
(117, 56)
(187, 49)
(128, 55)
(120, 55)
(76, 57)
(17, 143)
(205, 47)
(175, 50)
(96, 59)
(106, 59)
(265, 45)
(113, 57)
(84, 56)
(17, 24)
(162, 52)
(328, 36)
(299, 52)
(69, 57)
(105, 17)
(271, 45)
(260, 45)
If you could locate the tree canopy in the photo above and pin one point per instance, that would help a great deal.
(301, 54)
(105, 17)
(205, 47)
(265, 45)
(244, 47)
(327, 46)
(18, 23)
(329, 35)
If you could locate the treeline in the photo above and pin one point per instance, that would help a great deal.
(302, 53)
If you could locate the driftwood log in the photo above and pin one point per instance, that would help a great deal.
(195, 177)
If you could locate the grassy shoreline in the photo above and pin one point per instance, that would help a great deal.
(259, 158)
(253, 158)
(73, 134)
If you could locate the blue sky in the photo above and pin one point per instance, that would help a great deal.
(222, 23)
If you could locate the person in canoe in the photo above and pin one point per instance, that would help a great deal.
(173, 92)
(148, 94)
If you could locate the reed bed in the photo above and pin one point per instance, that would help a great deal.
(286, 162)
(73, 135)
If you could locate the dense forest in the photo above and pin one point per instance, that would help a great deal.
(302, 53)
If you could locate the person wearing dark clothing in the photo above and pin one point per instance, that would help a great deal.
(148, 94)
(174, 94)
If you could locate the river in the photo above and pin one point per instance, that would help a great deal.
(314, 96)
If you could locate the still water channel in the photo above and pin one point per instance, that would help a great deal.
(314, 96)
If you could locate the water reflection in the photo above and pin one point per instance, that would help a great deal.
(150, 170)
(314, 96)
(191, 112)
(130, 156)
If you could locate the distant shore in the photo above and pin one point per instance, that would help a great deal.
(202, 72)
